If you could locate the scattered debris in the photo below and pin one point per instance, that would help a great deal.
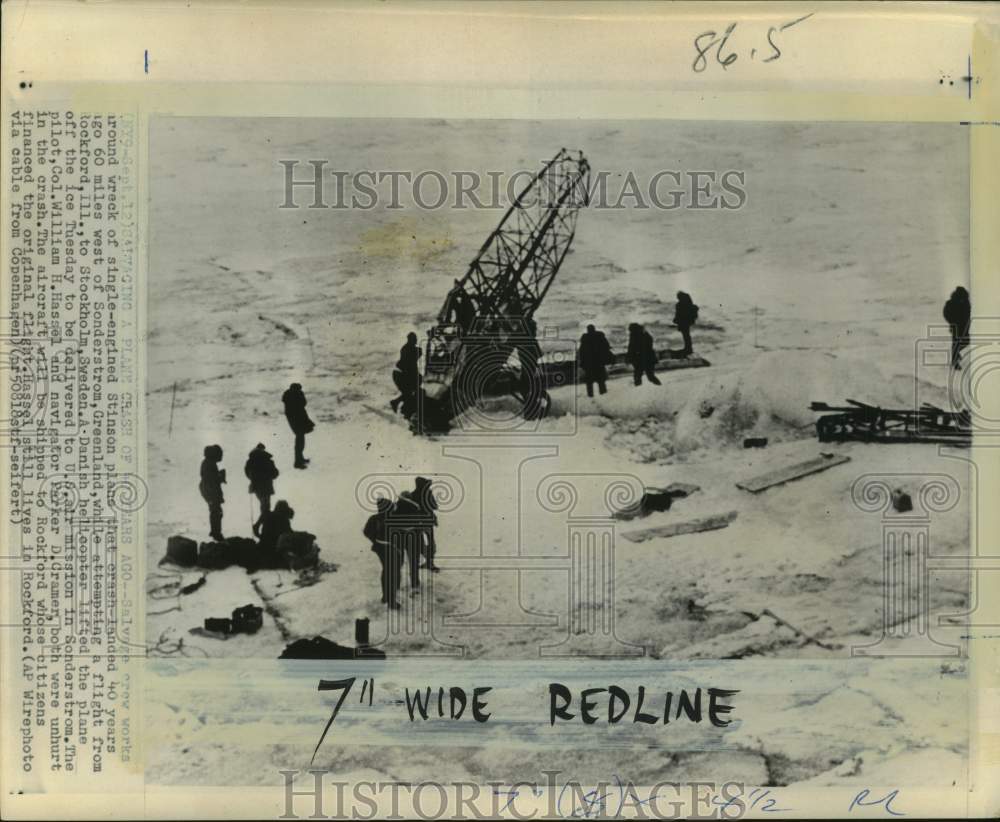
(240, 548)
(297, 551)
(901, 501)
(869, 423)
(790, 472)
(248, 619)
(322, 648)
(194, 586)
(308, 577)
(655, 499)
(676, 529)
(755, 442)
(219, 625)
(215, 555)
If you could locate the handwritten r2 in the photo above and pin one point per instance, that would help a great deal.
(862, 800)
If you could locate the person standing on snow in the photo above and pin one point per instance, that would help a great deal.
(458, 309)
(298, 420)
(262, 472)
(406, 376)
(212, 479)
(594, 356)
(958, 314)
(465, 313)
(685, 315)
(376, 531)
(641, 354)
(415, 515)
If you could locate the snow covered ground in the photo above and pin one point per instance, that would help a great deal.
(852, 237)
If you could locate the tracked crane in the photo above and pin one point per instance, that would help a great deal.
(486, 321)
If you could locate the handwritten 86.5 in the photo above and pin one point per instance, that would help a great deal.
(711, 47)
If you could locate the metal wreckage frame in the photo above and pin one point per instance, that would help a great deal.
(869, 423)
(505, 284)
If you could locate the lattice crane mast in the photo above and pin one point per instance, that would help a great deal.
(487, 316)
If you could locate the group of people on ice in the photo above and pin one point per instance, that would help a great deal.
(403, 531)
(261, 471)
(594, 355)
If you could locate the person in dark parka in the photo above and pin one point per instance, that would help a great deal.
(406, 376)
(262, 472)
(415, 513)
(274, 524)
(595, 355)
(958, 314)
(641, 354)
(685, 315)
(458, 309)
(465, 313)
(212, 479)
(387, 550)
(298, 420)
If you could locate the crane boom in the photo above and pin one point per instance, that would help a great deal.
(487, 316)
(523, 254)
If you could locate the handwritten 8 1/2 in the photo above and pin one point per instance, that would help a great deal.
(708, 40)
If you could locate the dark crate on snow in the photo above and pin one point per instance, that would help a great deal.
(240, 546)
(215, 555)
(219, 625)
(248, 620)
(182, 551)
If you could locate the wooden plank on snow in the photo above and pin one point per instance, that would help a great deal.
(568, 372)
(675, 529)
(790, 472)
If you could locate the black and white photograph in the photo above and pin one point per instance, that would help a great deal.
(524, 393)
(499, 410)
